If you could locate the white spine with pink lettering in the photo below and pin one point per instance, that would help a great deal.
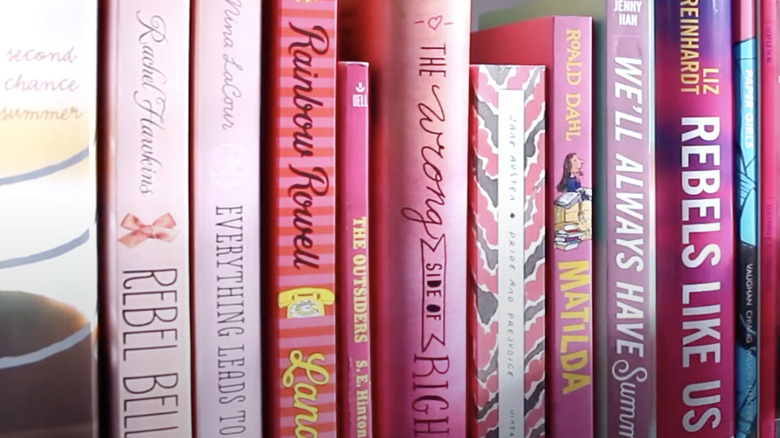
(225, 147)
(144, 220)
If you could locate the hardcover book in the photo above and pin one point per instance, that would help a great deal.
(695, 220)
(564, 45)
(356, 416)
(748, 292)
(418, 52)
(225, 196)
(302, 210)
(769, 221)
(144, 217)
(506, 268)
(48, 242)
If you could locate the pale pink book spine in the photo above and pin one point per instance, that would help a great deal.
(225, 147)
(418, 52)
(145, 218)
(353, 250)
(570, 231)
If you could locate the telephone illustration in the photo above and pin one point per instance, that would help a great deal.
(306, 302)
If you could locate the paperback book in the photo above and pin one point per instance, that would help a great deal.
(747, 164)
(301, 198)
(564, 45)
(225, 195)
(506, 267)
(353, 252)
(144, 218)
(769, 221)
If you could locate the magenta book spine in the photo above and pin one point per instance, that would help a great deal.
(353, 250)
(225, 196)
(570, 231)
(695, 220)
(769, 219)
(419, 54)
(145, 217)
(630, 220)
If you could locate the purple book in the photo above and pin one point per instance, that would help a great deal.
(630, 221)
(695, 219)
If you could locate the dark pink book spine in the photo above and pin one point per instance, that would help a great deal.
(353, 250)
(696, 240)
(570, 231)
(769, 194)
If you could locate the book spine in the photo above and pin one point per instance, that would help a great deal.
(505, 294)
(746, 359)
(302, 240)
(48, 254)
(630, 220)
(146, 217)
(769, 221)
(570, 244)
(353, 250)
(225, 196)
(511, 258)
(420, 154)
(534, 264)
(695, 219)
(483, 253)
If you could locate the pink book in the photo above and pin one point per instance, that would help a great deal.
(695, 218)
(145, 218)
(353, 251)
(506, 268)
(225, 148)
(48, 242)
(630, 222)
(769, 192)
(301, 212)
(418, 52)
(564, 45)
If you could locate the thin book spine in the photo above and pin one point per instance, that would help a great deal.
(769, 218)
(747, 163)
(225, 197)
(145, 220)
(695, 220)
(570, 231)
(301, 245)
(630, 221)
(356, 416)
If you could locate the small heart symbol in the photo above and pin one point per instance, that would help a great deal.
(435, 22)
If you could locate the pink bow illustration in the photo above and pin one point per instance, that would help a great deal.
(161, 229)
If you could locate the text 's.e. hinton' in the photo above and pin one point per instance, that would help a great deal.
(431, 364)
(310, 183)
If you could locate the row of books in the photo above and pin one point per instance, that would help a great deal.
(407, 246)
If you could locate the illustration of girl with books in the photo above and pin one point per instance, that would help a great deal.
(572, 208)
